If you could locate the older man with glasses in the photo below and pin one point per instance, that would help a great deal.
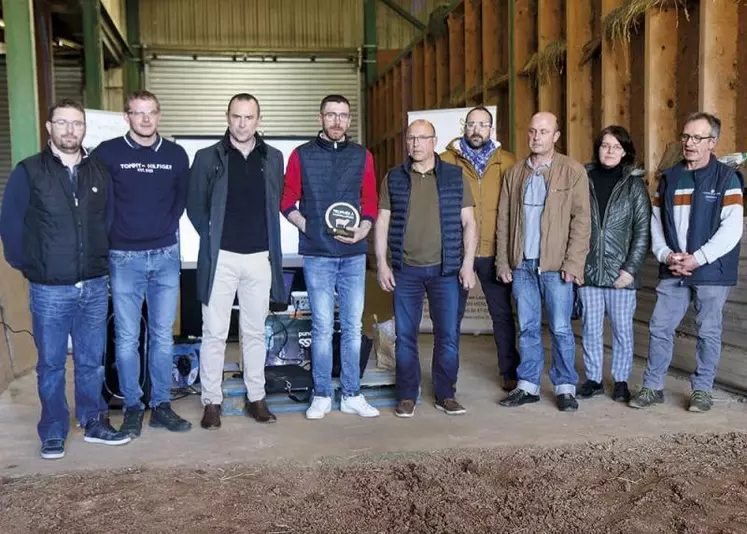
(432, 239)
(483, 162)
(696, 229)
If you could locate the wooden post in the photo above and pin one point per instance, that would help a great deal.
(717, 68)
(615, 77)
(405, 101)
(472, 52)
(523, 44)
(395, 129)
(579, 134)
(659, 86)
(456, 59)
(388, 116)
(418, 76)
(430, 85)
(442, 72)
(549, 29)
(492, 32)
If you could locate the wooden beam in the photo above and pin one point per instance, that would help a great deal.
(396, 111)
(615, 77)
(523, 44)
(429, 75)
(442, 72)
(659, 86)
(418, 76)
(579, 130)
(742, 67)
(456, 58)
(549, 29)
(717, 67)
(405, 105)
(473, 51)
(492, 33)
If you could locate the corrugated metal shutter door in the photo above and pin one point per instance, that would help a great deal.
(194, 93)
(68, 77)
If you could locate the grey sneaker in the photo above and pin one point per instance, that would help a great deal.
(647, 397)
(700, 401)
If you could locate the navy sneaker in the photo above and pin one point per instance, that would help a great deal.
(53, 449)
(101, 431)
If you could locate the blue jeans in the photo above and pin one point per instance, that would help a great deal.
(412, 284)
(348, 276)
(58, 312)
(529, 289)
(152, 275)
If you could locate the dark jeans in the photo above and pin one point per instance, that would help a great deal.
(57, 312)
(412, 284)
(498, 299)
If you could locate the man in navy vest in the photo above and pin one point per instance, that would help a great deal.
(433, 240)
(54, 227)
(149, 187)
(333, 169)
(696, 228)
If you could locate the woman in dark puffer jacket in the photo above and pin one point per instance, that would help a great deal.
(620, 218)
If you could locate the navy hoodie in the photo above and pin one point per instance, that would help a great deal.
(149, 188)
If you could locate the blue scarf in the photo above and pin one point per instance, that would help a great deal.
(477, 157)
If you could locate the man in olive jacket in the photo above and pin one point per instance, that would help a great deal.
(483, 162)
(542, 243)
(233, 201)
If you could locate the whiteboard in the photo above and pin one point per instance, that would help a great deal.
(103, 125)
(188, 237)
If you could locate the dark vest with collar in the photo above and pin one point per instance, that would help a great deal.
(65, 237)
(330, 172)
(711, 183)
(450, 187)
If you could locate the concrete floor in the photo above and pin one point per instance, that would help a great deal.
(294, 438)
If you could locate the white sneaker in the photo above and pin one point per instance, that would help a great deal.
(320, 406)
(358, 405)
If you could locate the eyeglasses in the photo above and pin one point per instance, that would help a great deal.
(62, 123)
(142, 114)
(331, 116)
(696, 139)
(418, 138)
(611, 148)
(478, 124)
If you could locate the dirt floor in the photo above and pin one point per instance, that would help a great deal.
(676, 483)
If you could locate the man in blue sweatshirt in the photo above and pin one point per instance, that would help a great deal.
(149, 188)
(53, 225)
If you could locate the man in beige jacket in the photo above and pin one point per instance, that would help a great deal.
(542, 241)
(483, 162)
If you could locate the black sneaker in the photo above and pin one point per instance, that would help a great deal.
(518, 397)
(101, 431)
(567, 402)
(162, 416)
(621, 393)
(700, 401)
(53, 449)
(590, 389)
(133, 422)
(646, 397)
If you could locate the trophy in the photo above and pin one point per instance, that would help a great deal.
(341, 218)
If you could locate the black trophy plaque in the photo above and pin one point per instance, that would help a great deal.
(341, 218)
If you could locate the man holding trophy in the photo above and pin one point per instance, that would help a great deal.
(330, 196)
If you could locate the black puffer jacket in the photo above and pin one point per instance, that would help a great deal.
(621, 240)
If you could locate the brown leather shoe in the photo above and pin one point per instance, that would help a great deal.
(405, 408)
(211, 417)
(260, 412)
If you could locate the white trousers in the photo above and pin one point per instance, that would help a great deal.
(251, 276)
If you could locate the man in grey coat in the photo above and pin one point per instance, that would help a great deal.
(233, 201)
